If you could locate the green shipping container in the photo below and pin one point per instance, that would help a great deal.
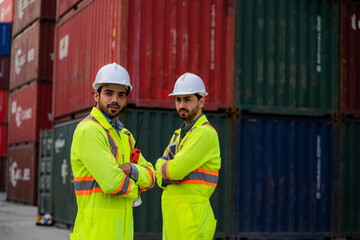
(286, 56)
(349, 179)
(63, 196)
(156, 131)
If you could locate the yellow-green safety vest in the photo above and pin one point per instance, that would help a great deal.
(186, 209)
(104, 193)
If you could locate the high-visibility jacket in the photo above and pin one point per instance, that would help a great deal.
(104, 193)
(186, 209)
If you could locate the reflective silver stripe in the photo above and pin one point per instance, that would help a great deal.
(110, 139)
(202, 176)
(130, 143)
(163, 169)
(124, 188)
(85, 185)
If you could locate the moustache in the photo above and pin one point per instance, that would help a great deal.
(113, 105)
(183, 109)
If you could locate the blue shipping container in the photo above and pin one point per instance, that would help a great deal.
(285, 178)
(5, 39)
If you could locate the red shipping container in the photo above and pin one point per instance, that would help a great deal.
(159, 41)
(32, 54)
(64, 5)
(4, 72)
(6, 10)
(22, 173)
(2, 173)
(26, 12)
(3, 128)
(349, 55)
(3, 106)
(84, 43)
(30, 112)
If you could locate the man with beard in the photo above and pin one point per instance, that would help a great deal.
(106, 183)
(188, 170)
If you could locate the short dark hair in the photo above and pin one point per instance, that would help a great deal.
(126, 88)
(198, 96)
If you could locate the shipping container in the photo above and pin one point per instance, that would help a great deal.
(32, 54)
(5, 38)
(29, 112)
(349, 58)
(63, 204)
(4, 72)
(6, 10)
(285, 178)
(28, 11)
(83, 44)
(286, 57)
(23, 173)
(3, 174)
(3, 106)
(64, 6)
(156, 41)
(3, 137)
(349, 221)
(45, 171)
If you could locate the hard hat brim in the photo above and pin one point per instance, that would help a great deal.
(187, 93)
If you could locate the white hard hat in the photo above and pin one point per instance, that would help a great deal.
(112, 74)
(189, 83)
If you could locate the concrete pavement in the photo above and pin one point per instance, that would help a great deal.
(17, 222)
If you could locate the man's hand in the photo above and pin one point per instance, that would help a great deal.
(168, 154)
(174, 181)
(127, 169)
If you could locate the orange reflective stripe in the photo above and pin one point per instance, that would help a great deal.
(198, 182)
(152, 182)
(202, 176)
(88, 192)
(215, 173)
(86, 178)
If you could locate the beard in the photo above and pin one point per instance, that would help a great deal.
(188, 115)
(110, 112)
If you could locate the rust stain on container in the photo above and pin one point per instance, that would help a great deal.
(32, 54)
(349, 58)
(26, 12)
(22, 173)
(30, 112)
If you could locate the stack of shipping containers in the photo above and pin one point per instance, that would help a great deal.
(30, 94)
(349, 217)
(6, 16)
(286, 142)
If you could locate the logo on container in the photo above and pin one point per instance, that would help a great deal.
(21, 59)
(20, 114)
(16, 174)
(4, 11)
(64, 47)
(355, 25)
(22, 4)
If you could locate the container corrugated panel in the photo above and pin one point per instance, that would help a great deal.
(23, 173)
(84, 44)
(156, 131)
(45, 171)
(164, 39)
(5, 38)
(64, 205)
(349, 49)
(3, 174)
(26, 12)
(65, 5)
(32, 54)
(285, 178)
(4, 72)
(30, 112)
(6, 10)
(3, 106)
(286, 57)
(349, 179)
(3, 142)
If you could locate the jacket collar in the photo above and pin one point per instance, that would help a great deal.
(100, 117)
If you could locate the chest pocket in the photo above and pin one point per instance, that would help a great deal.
(113, 147)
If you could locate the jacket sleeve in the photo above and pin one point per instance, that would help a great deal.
(94, 152)
(189, 158)
(146, 177)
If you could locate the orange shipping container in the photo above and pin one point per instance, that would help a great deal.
(6, 10)
(22, 173)
(32, 54)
